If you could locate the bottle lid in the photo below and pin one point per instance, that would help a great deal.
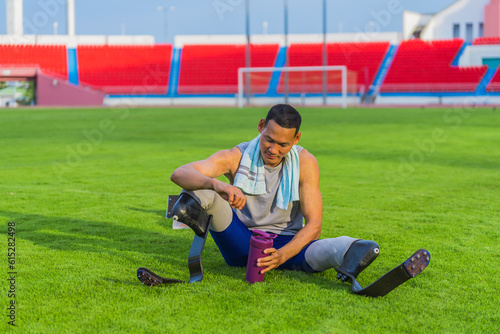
(263, 236)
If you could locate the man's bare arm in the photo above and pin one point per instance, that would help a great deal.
(311, 205)
(203, 175)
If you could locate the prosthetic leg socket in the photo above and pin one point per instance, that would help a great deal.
(359, 256)
(188, 211)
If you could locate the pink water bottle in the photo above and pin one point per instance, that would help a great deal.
(258, 243)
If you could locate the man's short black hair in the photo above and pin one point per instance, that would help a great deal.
(285, 116)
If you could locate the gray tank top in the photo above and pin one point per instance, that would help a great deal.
(260, 211)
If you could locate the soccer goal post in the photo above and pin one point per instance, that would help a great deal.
(324, 83)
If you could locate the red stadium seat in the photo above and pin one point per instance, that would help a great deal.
(486, 40)
(421, 66)
(51, 59)
(418, 66)
(364, 59)
(124, 69)
(213, 69)
(494, 85)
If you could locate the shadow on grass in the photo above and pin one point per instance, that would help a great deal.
(122, 282)
(71, 234)
(323, 280)
(160, 213)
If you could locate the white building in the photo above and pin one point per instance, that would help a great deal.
(463, 19)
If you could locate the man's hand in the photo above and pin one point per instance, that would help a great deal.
(274, 260)
(233, 195)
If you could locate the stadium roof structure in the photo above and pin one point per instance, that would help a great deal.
(73, 41)
(392, 37)
(17, 73)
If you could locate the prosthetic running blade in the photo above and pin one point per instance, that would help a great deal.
(149, 278)
(413, 266)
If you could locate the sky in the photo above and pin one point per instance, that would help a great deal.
(193, 17)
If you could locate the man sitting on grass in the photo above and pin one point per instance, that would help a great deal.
(274, 187)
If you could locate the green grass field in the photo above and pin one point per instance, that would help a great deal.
(87, 190)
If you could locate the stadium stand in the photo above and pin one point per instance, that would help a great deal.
(494, 85)
(213, 69)
(125, 69)
(421, 66)
(364, 59)
(51, 59)
(418, 67)
(486, 41)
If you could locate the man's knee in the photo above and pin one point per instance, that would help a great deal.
(204, 197)
(191, 213)
(215, 206)
(328, 253)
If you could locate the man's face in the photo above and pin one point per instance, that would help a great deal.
(275, 142)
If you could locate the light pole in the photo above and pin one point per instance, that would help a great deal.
(247, 58)
(285, 14)
(325, 54)
(165, 11)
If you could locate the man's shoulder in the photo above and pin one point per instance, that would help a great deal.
(308, 164)
(306, 156)
(230, 158)
(242, 146)
(232, 154)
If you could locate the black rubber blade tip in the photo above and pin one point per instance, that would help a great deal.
(149, 278)
(417, 262)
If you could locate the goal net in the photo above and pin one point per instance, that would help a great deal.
(327, 85)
